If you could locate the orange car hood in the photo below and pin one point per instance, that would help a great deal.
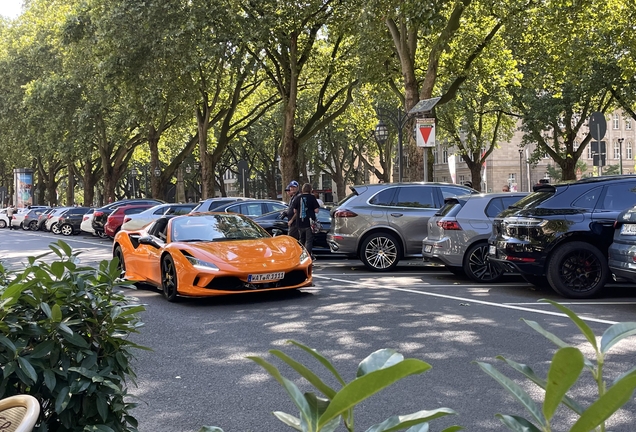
(244, 254)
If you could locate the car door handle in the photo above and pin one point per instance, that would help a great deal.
(397, 214)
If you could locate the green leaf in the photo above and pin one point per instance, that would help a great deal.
(515, 390)
(553, 338)
(57, 268)
(42, 349)
(62, 400)
(65, 329)
(47, 310)
(29, 371)
(102, 406)
(448, 429)
(529, 373)
(306, 373)
(617, 396)
(297, 397)
(65, 247)
(49, 379)
(379, 359)
(396, 423)
(565, 368)
(13, 291)
(288, 419)
(317, 406)
(365, 386)
(616, 333)
(56, 312)
(76, 340)
(6, 342)
(517, 424)
(585, 329)
(320, 358)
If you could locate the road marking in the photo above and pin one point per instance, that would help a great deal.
(578, 303)
(469, 300)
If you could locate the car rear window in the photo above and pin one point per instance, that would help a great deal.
(533, 200)
(449, 204)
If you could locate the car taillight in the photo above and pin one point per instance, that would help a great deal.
(26, 217)
(49, 216)
(85, 218)
(98, 213)
(449, 225)
(344, 213)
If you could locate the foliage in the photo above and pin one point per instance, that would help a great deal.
(556, 173)
(376, 372)
(566, 366)
(64, 339)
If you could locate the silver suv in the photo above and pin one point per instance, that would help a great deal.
(383, 223)
(458, 234)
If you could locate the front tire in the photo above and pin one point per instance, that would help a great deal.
(3, 223)
(578, 270)
(169, 279)
(33, 225)
(380, 252)
(477, 266)
(66, 229)
(55, 229)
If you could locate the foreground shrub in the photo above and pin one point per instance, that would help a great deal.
(64, 339)
(565, 368)
(324, 414)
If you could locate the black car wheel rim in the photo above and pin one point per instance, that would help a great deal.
(481, 267)
(580, 271)
(381, 252)
(33, 225)
(67, 230)
(169, 278)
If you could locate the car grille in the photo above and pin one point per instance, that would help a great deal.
(232, 283)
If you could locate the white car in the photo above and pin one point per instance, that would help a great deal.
(134, 222)
(18, 217)
(51, 222)
(4, 219)
(87, 222)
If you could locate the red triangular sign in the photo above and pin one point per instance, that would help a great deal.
(426, 132)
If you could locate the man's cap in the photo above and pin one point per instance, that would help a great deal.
(292, 184)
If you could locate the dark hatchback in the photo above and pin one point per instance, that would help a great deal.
(100, 216)
(69, 223)
(560, 234)
(275, 223)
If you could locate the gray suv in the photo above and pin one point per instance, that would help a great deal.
(383, 223)
(458, 234)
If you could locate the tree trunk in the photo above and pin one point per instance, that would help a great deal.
(153, 146)
(70, 189)
(89, 182)
(207, 173)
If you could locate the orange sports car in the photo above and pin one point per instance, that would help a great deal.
(210, 254)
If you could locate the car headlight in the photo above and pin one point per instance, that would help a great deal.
(304, 256)
(200, 264)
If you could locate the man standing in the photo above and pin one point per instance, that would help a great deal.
(10, 212)
(292, 192)
(305, 209)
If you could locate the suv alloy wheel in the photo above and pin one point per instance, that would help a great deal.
(578, 270)
(380, 252)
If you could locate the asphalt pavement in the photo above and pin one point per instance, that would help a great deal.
(198, 373)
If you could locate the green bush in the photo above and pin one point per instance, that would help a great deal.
(565, 368)
(64, 339)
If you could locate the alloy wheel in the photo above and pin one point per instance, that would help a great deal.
(479, 268)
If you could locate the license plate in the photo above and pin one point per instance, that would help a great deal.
(265, 277)
(492, 250)
(428, 248)
(628, 229)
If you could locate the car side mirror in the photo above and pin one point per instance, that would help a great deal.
(276, 232)
(150, 241)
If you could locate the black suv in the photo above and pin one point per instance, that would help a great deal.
(100, 215)
(559, 235)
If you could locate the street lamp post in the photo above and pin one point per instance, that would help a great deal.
(620, 155)
(133, 175)
(399, 119)
(197, 189)
(520, 170)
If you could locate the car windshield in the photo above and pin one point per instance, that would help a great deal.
(532, 200)
(217, 227)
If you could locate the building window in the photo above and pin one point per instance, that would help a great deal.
(462, 179)
(512, 177)
(436, 156)
(445, 156)
(628, 124)
(628, 150)
(576, 145)
(589, 150)
(616, 121)
(617, 150)
(444, 179)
